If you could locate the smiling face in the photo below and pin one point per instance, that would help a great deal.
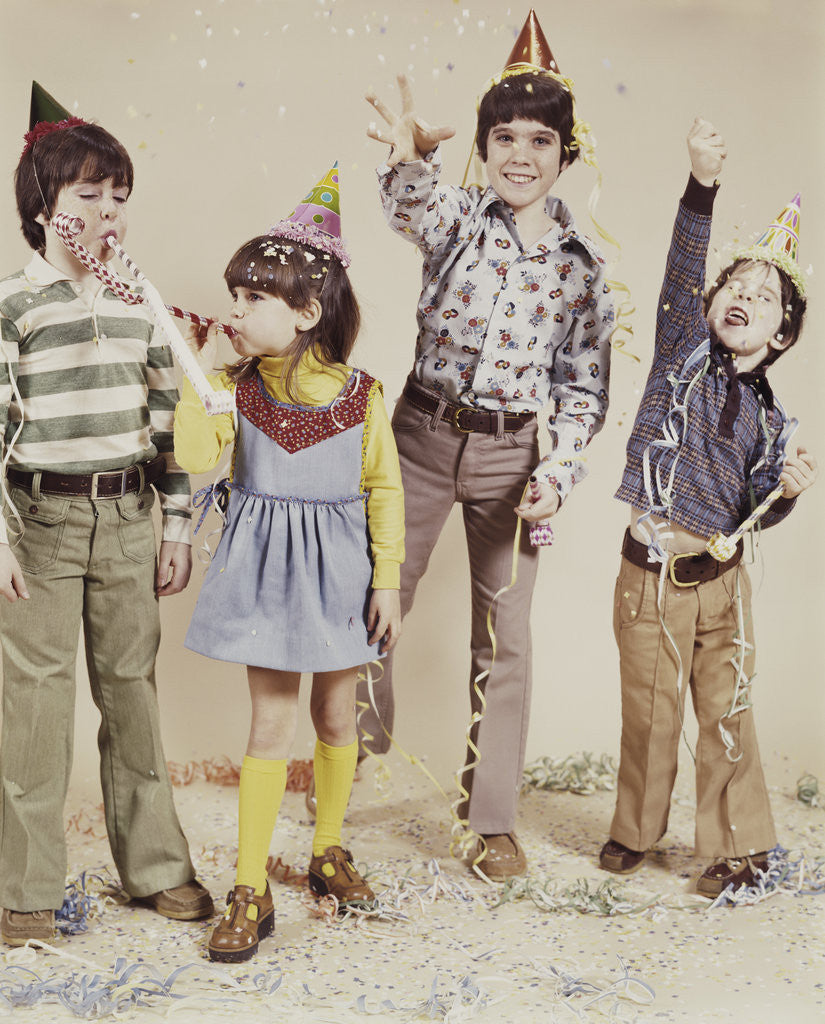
(102, 207)
(265, 324)
(746, 313)
(523, 162)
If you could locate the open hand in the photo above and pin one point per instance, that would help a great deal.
(411, 138)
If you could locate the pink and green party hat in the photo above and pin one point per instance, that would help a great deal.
(316, 220)
(779, 244)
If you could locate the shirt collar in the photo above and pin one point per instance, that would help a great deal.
(564, 231)
(40, 272)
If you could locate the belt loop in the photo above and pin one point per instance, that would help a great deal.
(141, 478)
(499, 424)
(36, 477)
(435, 419)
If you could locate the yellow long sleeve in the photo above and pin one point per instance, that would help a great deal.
(385, 502)
(200, 440)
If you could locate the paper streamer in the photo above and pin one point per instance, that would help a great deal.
(67, 227)
(579, 773)
(723, 548)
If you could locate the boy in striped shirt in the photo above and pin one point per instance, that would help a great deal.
(87, 395)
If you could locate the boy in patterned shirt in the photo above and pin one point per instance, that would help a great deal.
(87, 396)
(515, 316)
(707, 446)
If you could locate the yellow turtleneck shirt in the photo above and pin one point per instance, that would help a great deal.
(200, 441)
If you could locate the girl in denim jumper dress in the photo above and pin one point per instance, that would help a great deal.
(305, 577)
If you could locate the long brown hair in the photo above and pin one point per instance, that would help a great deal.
(297, 273)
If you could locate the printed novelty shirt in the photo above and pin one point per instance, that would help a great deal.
(501, 326)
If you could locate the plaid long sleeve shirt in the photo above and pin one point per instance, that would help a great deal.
(718, 480)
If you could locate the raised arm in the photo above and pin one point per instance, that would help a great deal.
(680, 303)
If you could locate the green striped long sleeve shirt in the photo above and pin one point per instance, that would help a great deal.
(92, 383)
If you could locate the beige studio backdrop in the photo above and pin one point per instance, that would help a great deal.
(232, 109)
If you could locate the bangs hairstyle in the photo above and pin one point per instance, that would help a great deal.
(285, 269)
(528, 97)
(84, 152)
(793, 305)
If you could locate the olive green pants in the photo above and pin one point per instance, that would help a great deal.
(91, 562)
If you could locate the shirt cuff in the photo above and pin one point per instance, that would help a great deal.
(412, 171)
(177, 529)
(699, 198)
(386, 576)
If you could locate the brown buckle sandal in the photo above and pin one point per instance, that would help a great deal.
(344, 883)
(236, 936)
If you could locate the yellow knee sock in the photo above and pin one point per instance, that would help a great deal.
(334, 771)
(260, 792)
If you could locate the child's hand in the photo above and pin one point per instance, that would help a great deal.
(196, 336)
(534, 510)
(410, 137)
(798, 473)
(707, 151)
(174, 568)
(12, 583)
(384, 619)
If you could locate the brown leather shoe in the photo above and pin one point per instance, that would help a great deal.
(504, 857)
(620, 859)
(734, 872)
(18, 926)
(237, 934)
(341, 879)
(187, 902)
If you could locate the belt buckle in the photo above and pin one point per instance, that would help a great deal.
(672, 567)
(459, 409)
(95, 480)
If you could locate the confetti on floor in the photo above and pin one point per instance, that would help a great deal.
(568, 943)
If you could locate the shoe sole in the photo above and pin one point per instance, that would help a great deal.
(319, 888)
(21, 940)
(175, 915)
(232, 956)
(620, 870)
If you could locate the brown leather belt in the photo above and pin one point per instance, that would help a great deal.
(94, 485)
(463, 417)
(687, 570)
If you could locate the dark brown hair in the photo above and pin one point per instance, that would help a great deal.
(528, 97)
(793, 305)
(297, 273)
(84, 152)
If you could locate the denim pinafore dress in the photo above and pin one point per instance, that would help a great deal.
(289, 585)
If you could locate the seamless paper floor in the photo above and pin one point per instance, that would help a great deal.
(562, 947)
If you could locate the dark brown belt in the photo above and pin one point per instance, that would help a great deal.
(462, 417)
(94, 485)
(687, 570)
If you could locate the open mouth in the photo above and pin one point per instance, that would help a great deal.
(520, 179)
(736, 317)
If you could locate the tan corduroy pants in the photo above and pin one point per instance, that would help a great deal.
(733, 815)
